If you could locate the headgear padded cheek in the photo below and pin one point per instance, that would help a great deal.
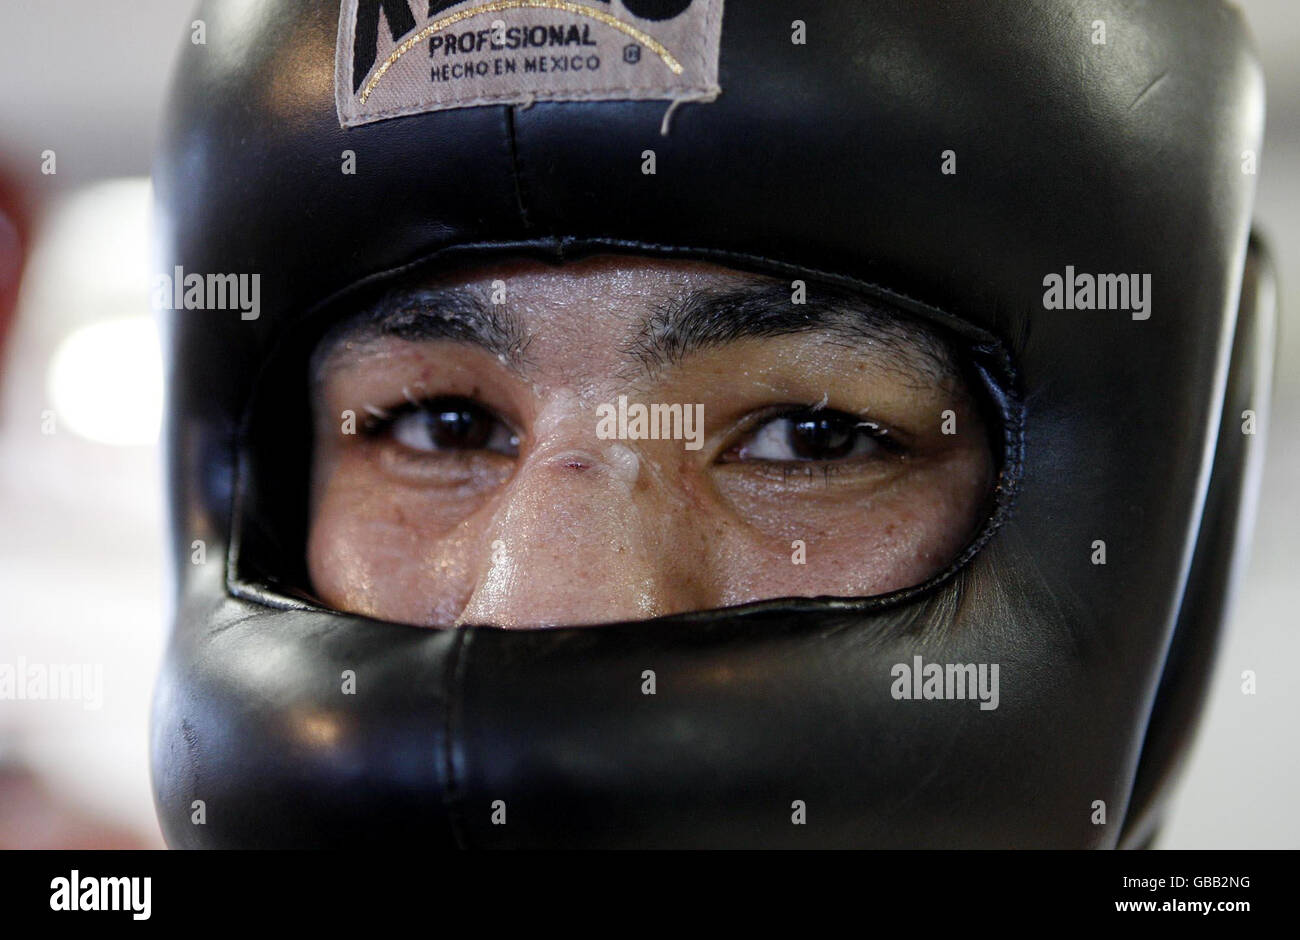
(1069, 192)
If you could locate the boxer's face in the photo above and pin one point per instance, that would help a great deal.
(491, 475)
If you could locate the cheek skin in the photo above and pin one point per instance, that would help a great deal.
(856, 544)
(719, 539)
(395, 552)
(388, 549)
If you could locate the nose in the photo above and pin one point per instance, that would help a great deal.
(581, 536)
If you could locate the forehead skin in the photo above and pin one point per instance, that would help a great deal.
(649, 314)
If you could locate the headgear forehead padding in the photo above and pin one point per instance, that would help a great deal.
(994, 166)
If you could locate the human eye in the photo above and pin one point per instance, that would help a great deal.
(444, 425)
(812, 435)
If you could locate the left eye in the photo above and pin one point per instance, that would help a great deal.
(812, 435)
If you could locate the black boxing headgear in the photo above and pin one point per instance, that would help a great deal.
(972, 164)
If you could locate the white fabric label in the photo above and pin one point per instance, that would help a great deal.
(397, 57)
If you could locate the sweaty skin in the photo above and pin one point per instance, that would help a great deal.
(477, 489)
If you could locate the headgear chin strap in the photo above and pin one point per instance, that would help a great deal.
(979, 164)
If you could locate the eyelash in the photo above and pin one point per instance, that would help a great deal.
(380, 423)
(878, 433)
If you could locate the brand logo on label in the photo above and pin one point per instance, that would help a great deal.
(398, 57)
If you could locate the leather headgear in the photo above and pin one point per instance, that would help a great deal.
(819, 160)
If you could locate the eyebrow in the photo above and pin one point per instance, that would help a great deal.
(671, 331)
(709, 318)
(426, 314)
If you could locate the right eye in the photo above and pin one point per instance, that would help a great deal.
(443, 425)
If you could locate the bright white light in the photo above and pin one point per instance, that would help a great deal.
(105, 381)
(91, 259)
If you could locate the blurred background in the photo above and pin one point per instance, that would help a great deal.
(81, 509)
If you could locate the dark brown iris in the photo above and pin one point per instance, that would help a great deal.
(822, 436)
(457, 424)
